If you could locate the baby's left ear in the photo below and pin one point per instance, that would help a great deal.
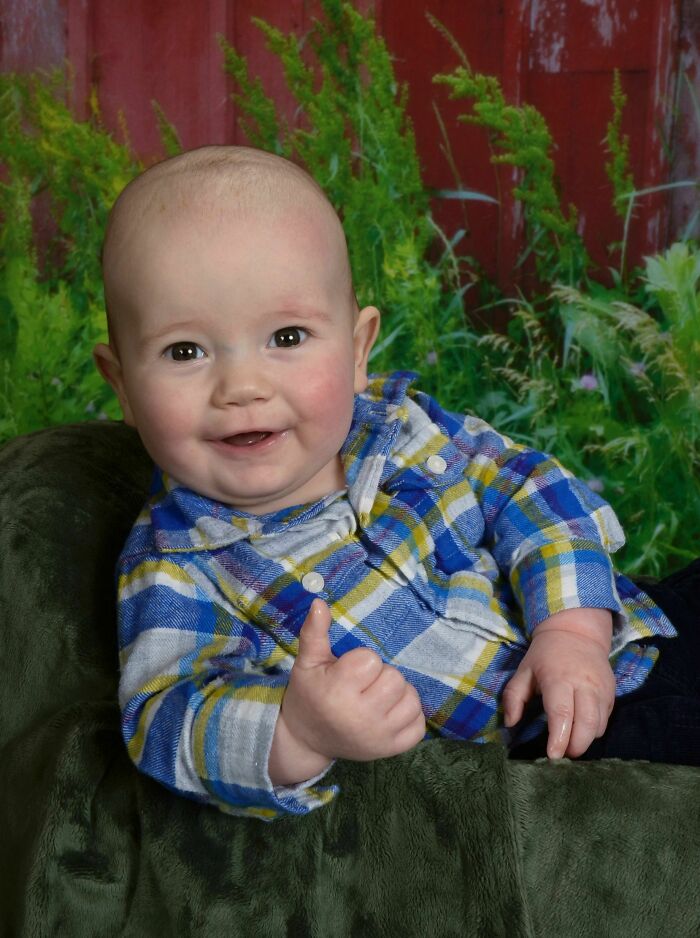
(364, 337)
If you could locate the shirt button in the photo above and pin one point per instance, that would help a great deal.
(436, 464)
(313, 582)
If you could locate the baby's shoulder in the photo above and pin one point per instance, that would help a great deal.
(466, 430)
(141, 541)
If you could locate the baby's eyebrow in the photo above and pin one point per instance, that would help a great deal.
(170, 327)
(288, 314)
(294, 310)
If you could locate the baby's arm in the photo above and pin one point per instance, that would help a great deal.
(352, 707)
(199, 694)
(552, 537)
(568, 664)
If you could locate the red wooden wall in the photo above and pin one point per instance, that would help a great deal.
(556, 54)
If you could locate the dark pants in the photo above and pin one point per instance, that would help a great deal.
(660, 721)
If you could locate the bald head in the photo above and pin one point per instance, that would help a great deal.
(206, 186)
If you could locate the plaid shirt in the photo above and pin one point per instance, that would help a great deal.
(450, 545)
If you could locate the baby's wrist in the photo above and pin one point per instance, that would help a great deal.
(291, 760)
(591, 623)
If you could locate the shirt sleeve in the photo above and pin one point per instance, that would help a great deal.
(549, 534)
(200, 692)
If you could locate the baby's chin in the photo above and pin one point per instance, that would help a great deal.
(262, 484)
(257, 501)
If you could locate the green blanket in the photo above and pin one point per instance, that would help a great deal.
(447, 840)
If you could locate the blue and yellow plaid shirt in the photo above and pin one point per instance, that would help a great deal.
(449, 546)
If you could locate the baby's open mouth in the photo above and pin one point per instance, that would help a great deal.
(247, 439)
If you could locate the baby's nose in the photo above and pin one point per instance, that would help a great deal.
(240, 384)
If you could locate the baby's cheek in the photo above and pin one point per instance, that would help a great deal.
(330, 396)
(164, 416)
(166, 421)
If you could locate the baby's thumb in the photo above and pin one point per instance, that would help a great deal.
(314, 644)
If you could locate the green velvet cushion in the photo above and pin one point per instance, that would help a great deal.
(447, 840)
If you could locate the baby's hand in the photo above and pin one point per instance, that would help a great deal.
(352, 707)
(569, 667)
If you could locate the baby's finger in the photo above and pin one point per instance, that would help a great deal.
(387, 689)
(586, 722)
(558, 703)
(360, 667)
(406, 711)
(604, 711)
(409, 736)
(516, 694)
(314, 643)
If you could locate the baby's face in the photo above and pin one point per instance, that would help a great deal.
(239, 354)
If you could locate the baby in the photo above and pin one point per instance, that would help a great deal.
(331, 565)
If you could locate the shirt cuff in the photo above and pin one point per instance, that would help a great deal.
(243, 750)
(565, 575)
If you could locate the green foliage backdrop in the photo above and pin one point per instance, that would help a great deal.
(599, 368)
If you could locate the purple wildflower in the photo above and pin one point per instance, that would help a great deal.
(588, 382)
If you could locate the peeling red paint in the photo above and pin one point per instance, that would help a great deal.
(685, 202)
(548, 32)
(31, 31)
(659, 124)
(609, 18)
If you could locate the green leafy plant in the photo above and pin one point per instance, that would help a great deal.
(520, 138)
(52, 307)
(618, 145)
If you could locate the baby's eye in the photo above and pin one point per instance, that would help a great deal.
(288, 337)
(184, 352)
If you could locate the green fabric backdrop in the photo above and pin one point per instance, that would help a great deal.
(447, 840)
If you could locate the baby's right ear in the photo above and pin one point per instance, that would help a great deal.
(110, 368)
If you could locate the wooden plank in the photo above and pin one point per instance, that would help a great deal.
(663, 37)
(685, 159)
(548, 37)
(586, 41)
(580, 157)
(517, 40)
(607, 34)
(78, 51)
(31, 35)
(164, 52)
(220, 119)
(419, 52)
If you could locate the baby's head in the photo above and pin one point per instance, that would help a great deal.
(235, 342)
